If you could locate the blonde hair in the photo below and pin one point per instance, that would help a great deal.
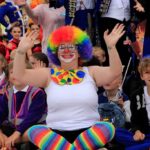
(97, 49)
(143, 65)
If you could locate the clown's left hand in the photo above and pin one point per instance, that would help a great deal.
(112, 38)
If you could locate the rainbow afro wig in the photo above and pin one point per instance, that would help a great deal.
(73, 35)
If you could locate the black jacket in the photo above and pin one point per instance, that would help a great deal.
(134, 88)
(139, 118)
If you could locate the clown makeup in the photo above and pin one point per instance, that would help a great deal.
(67, 52)
(69, 47)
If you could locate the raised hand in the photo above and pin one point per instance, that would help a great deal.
(138, 6)
(20, 2)
(27, 41)
(112, 38)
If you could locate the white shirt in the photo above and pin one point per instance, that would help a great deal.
(72, 107)
(2, 76)
(147, 100)
(118, 9)
(11, 1)
(23, 90)
(85, 4)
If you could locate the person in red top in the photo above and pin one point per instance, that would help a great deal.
(16, 34)
(37, 43)
(13, 43)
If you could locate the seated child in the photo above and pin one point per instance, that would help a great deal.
(99, 53)
(38, 59)
(139, 136)
(21, 107)
(3, 80)
(113, 94)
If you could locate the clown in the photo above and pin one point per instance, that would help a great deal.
(72, 120)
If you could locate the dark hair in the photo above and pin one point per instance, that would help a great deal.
(31, 24)
(42, 57)
(15, 26)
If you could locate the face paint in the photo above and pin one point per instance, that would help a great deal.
(67, 60)
(67, 52)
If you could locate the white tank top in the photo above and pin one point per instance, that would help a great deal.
(72, 107)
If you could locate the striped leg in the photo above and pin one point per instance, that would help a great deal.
(46, 139)
(95, 137)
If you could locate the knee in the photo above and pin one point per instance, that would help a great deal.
(106, 129)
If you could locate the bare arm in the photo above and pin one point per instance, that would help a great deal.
(105, 75)
(29, 11)
(36, 77)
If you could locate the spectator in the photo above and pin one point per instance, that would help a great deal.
(139, 138)
(39, 60)
(37, 45)
(3, 79)
(16, 34)
(114, 94)
(99, 53)
(48, 18)
(19, 110)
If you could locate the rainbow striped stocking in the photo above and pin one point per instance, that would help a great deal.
(95, 137)
(46, 139)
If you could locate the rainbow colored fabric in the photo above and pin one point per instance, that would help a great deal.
(69, 77)
(91, 139)
(73, 35)
(46, 139)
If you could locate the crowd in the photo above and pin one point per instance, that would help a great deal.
(75, 75)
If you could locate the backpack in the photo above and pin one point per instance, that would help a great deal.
(111, 112)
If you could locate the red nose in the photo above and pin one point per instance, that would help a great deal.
(66, 50)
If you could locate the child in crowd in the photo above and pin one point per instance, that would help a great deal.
(139, 139)
(114, 106)
(3, 80)
(16, 34)
(99, 53)
(19, 110)
(37, 43)
(114, 94)
(39, 60)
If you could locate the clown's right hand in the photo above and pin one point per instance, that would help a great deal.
(27, 41)
(20, 2)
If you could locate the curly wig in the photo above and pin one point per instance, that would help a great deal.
(69, 34)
